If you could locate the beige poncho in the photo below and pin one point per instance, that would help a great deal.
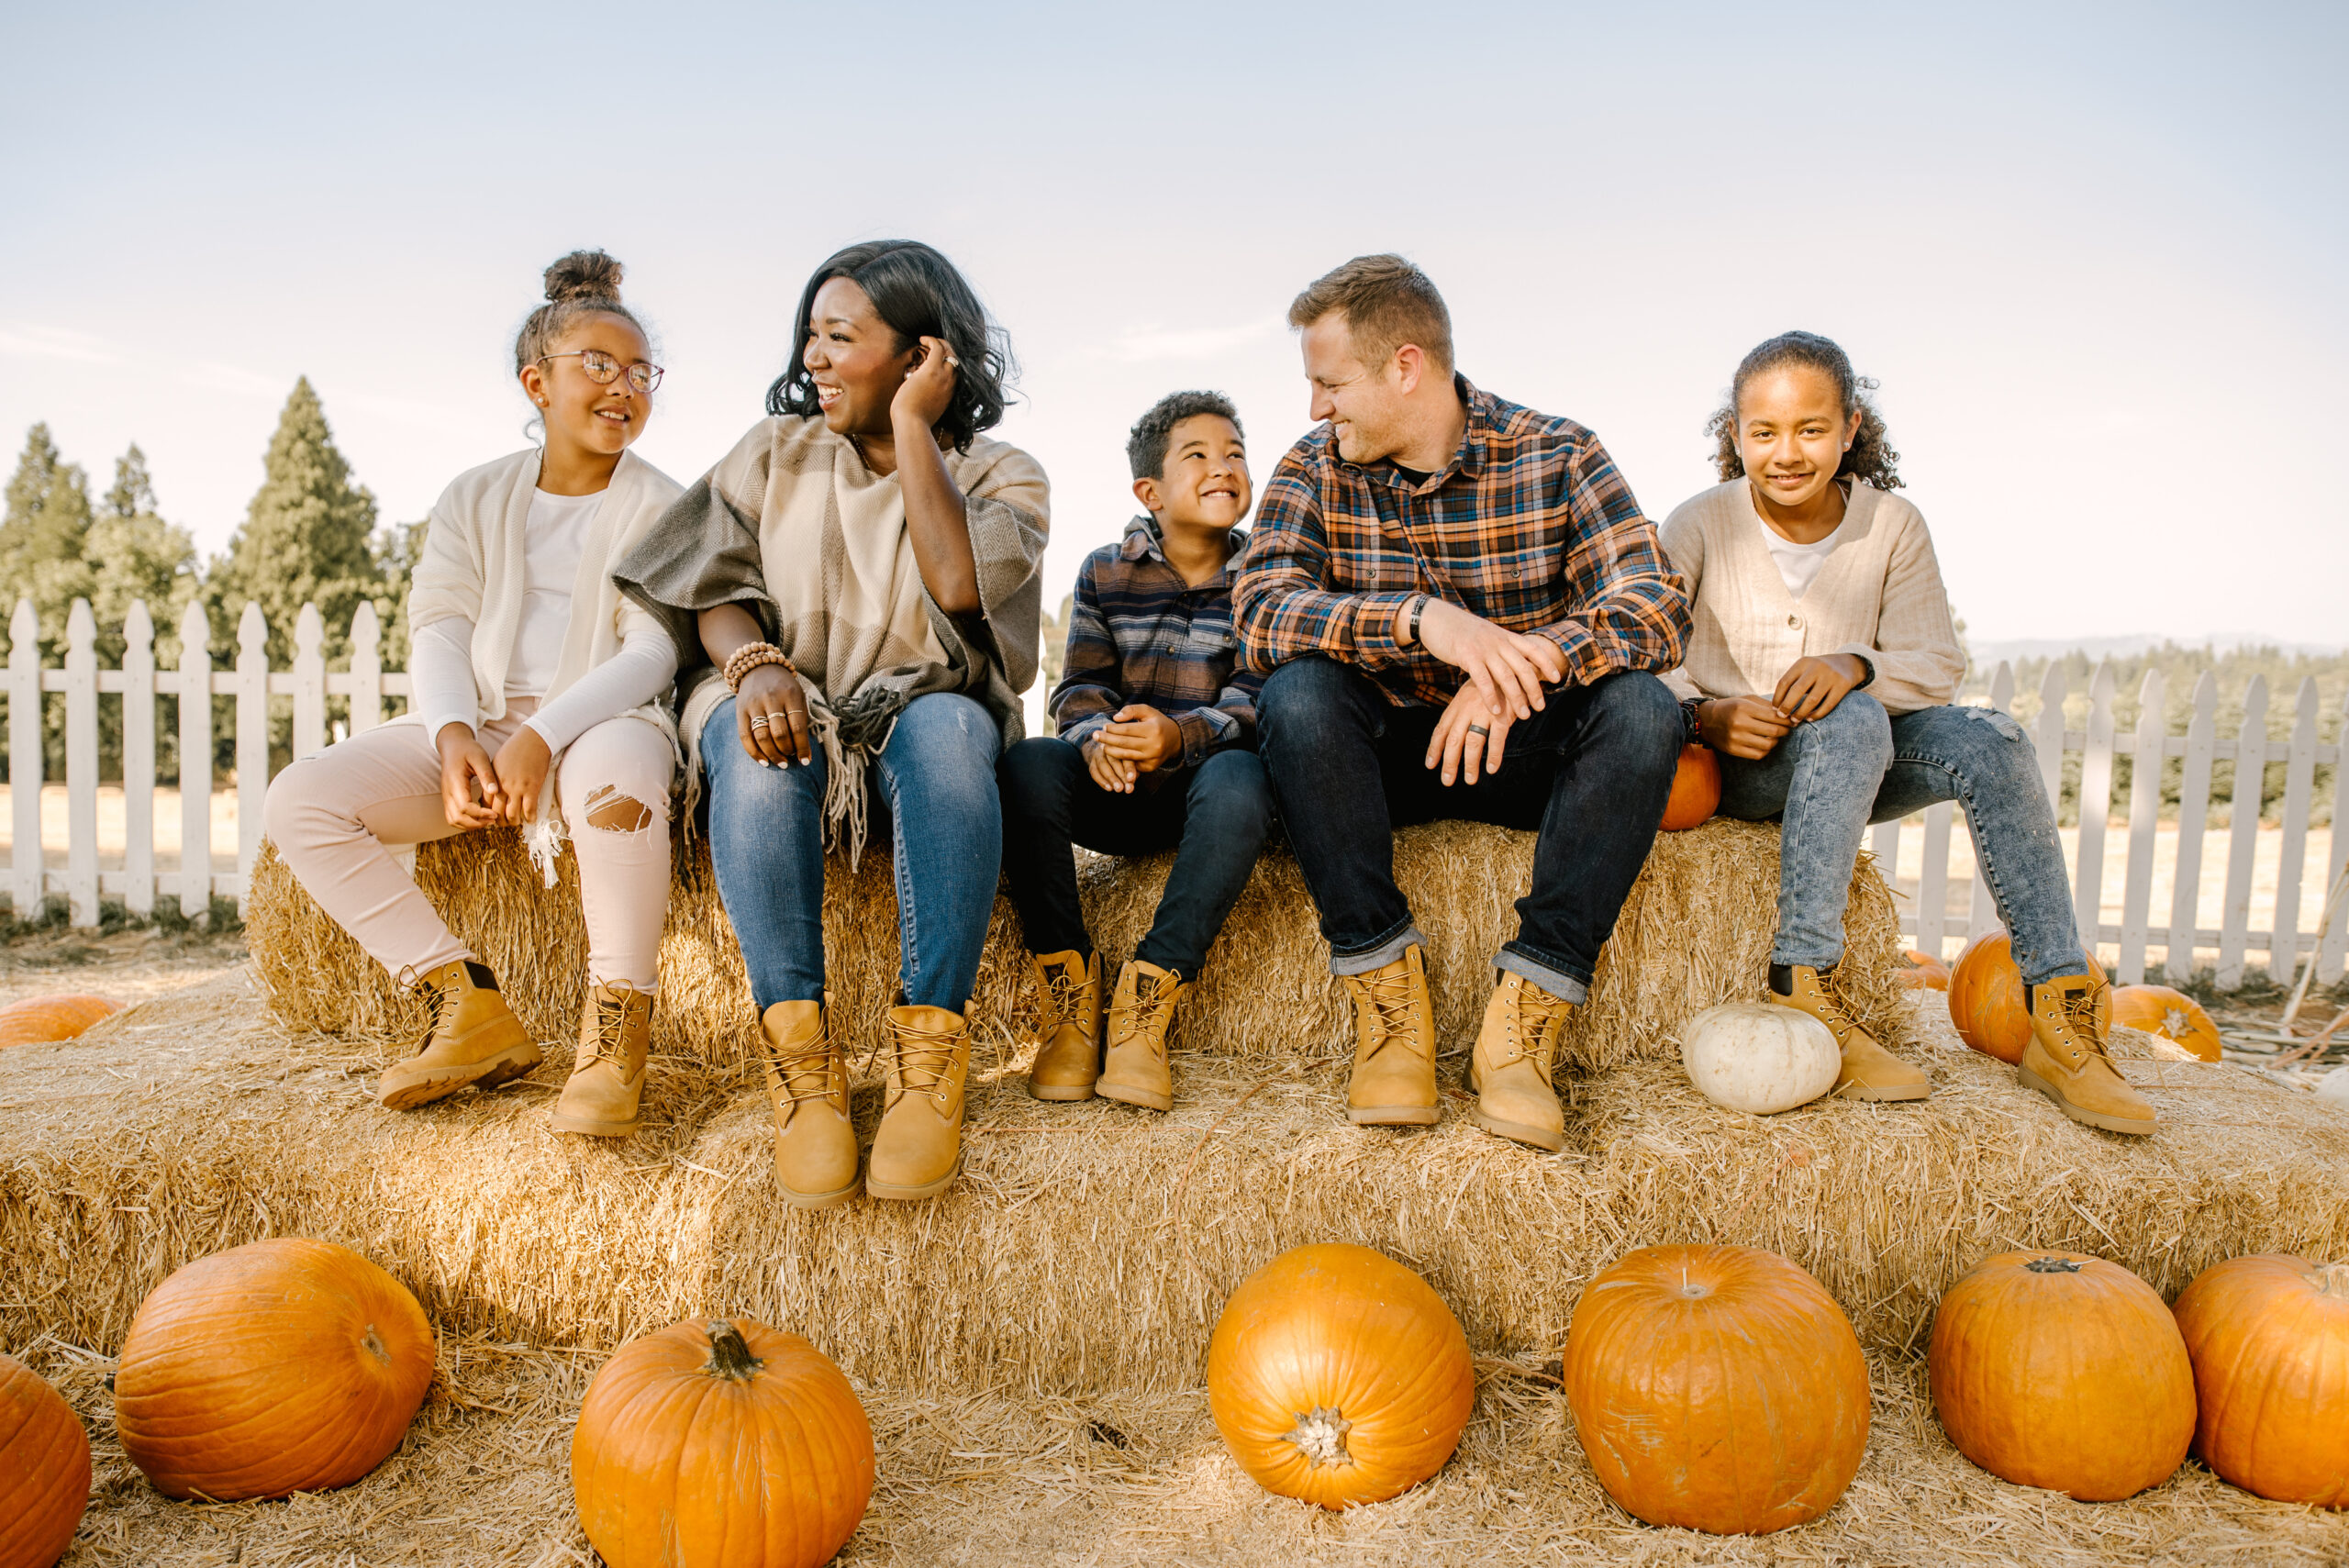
(794, 527)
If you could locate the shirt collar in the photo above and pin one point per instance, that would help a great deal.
(1144, 537)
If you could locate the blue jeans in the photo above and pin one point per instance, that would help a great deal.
(1831, 777)
(932, 793)
(1215, 816)
(1590, 771)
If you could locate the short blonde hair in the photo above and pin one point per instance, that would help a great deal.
(1388, 302)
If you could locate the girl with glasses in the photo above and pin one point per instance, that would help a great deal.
(537, 703)
(853, 592)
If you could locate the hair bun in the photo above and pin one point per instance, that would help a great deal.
(583, 275)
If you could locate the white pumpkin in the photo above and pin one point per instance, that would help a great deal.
(2334, 1086)
(1755, 1057)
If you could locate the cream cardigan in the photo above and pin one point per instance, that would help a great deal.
(1879, 595)
(472, 567)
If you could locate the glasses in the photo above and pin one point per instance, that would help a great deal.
(604, 369)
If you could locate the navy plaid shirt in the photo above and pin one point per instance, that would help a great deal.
(1138, 633)
(1529, 525)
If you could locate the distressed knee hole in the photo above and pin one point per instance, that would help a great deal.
(613, 812)
(2003, 723)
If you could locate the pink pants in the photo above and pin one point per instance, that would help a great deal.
(331, 815)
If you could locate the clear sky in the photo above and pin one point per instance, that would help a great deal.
(2093, 252)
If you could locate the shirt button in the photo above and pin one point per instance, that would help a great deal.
(1794, 621)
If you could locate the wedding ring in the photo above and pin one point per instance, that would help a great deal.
(1478, 729)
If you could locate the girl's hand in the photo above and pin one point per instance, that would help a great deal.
(522, 765)
(1811, 687)
(1742, 727)
(465, 767)
(1111, 774)
(921, 398)
(1142, 737)
(773, 694)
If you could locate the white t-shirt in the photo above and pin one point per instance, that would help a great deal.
(553, 537)
(1797, 564)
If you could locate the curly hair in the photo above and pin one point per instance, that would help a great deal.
(585, 282)
(1871, 458)
(919, 293)
(1146, 442)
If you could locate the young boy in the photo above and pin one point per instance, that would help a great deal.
(1156, 746)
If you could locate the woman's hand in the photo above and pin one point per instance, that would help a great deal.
(922, 397)
(1742, 727)
(522, 765)
(1112, 773)
(771, 712)
(1811, 687)
(464, 768)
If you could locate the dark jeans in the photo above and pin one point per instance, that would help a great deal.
(1218, 814)
(1591, 771)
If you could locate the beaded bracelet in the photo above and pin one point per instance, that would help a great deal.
(749, 657)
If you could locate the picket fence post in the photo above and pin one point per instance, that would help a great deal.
(2144, 806)
(2329, 962)
(81, 764)
(366, 670)
(309, 681)
(252, 737)
(195, 763)
(139, 760)
(2242, 833)
(2193, 813)
(2095, 808)
(2300, 789)
(25, 761)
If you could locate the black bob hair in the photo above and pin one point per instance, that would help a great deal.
(918, 292)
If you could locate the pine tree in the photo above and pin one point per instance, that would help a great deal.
(306, 539)
(135, 554)
(43, 540)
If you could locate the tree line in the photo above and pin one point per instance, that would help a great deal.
(311, 534)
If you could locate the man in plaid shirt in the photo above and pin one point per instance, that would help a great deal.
(1440, 581)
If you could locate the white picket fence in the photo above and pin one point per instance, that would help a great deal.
(1924, 920)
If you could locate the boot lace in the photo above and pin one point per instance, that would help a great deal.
(1833, 1010)
(804, 1074)
(439, 996)
(1064, 989)
(1148, 1017)
(922, 1058)
(1390, 1011)
(1539, 1017)
(611, 1026)
(2076, 1017)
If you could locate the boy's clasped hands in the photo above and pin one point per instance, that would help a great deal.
(1138, 739)
(1750, 727)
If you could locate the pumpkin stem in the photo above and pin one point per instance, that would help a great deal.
(730, 1353)
(1321, 1436)
(373, 1345)
(2052, 1266)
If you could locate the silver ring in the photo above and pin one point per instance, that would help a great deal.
(760, 722)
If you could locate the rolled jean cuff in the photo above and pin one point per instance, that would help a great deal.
(1557, 982)
(1779, 953)
(1377, 957)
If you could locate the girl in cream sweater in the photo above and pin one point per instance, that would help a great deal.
(1821, 667)
(536, 702)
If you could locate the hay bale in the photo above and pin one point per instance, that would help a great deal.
(1696, 931)
(1086, 1247)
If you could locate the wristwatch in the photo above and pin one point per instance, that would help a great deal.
(1411, 621)
(1692, 711)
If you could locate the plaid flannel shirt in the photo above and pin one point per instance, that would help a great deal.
(1138, 633)
(1530, 526)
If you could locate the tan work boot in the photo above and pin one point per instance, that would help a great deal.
(608, 1079)
(1069, 1058)
(1870, 1071)
(2066, 1059)
(475, 1037)
(1393, 1081)
(815, 1143)
(1136, 1071)
(1511, 1069)
(919, 1147)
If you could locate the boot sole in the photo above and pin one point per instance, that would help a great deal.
(818, 1200)
(2086, 1117)
(913, 1194)
(588, 1127)
(1538, 1137)
(406, 1093)
(1883, 1096)
(1061, 1093)
(1395, 1116)
(1126, 1094)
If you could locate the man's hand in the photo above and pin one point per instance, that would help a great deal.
(464, 768)
(1506, 669)
(1111, 774)
(522, 765)
(1139, 735)
(1742, 727)
(1811, 687)
(1468, 739)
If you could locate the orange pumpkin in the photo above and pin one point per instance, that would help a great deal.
(288, 1365)
(2055, 1370)
(1924, 972)
(2269, 1340)
(38, 1019)
(1336, 1376)
(44, 1468)
(720, 1444)
(1718, 1388)
(2171, 1015)
(1696, 790)
(1986, 996)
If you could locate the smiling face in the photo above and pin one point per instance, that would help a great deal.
(1365, 405)
(588, 418)
(1204, 482)
(1791, 434)
(855, 359)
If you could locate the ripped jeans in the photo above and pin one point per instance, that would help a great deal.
(1831, 777)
